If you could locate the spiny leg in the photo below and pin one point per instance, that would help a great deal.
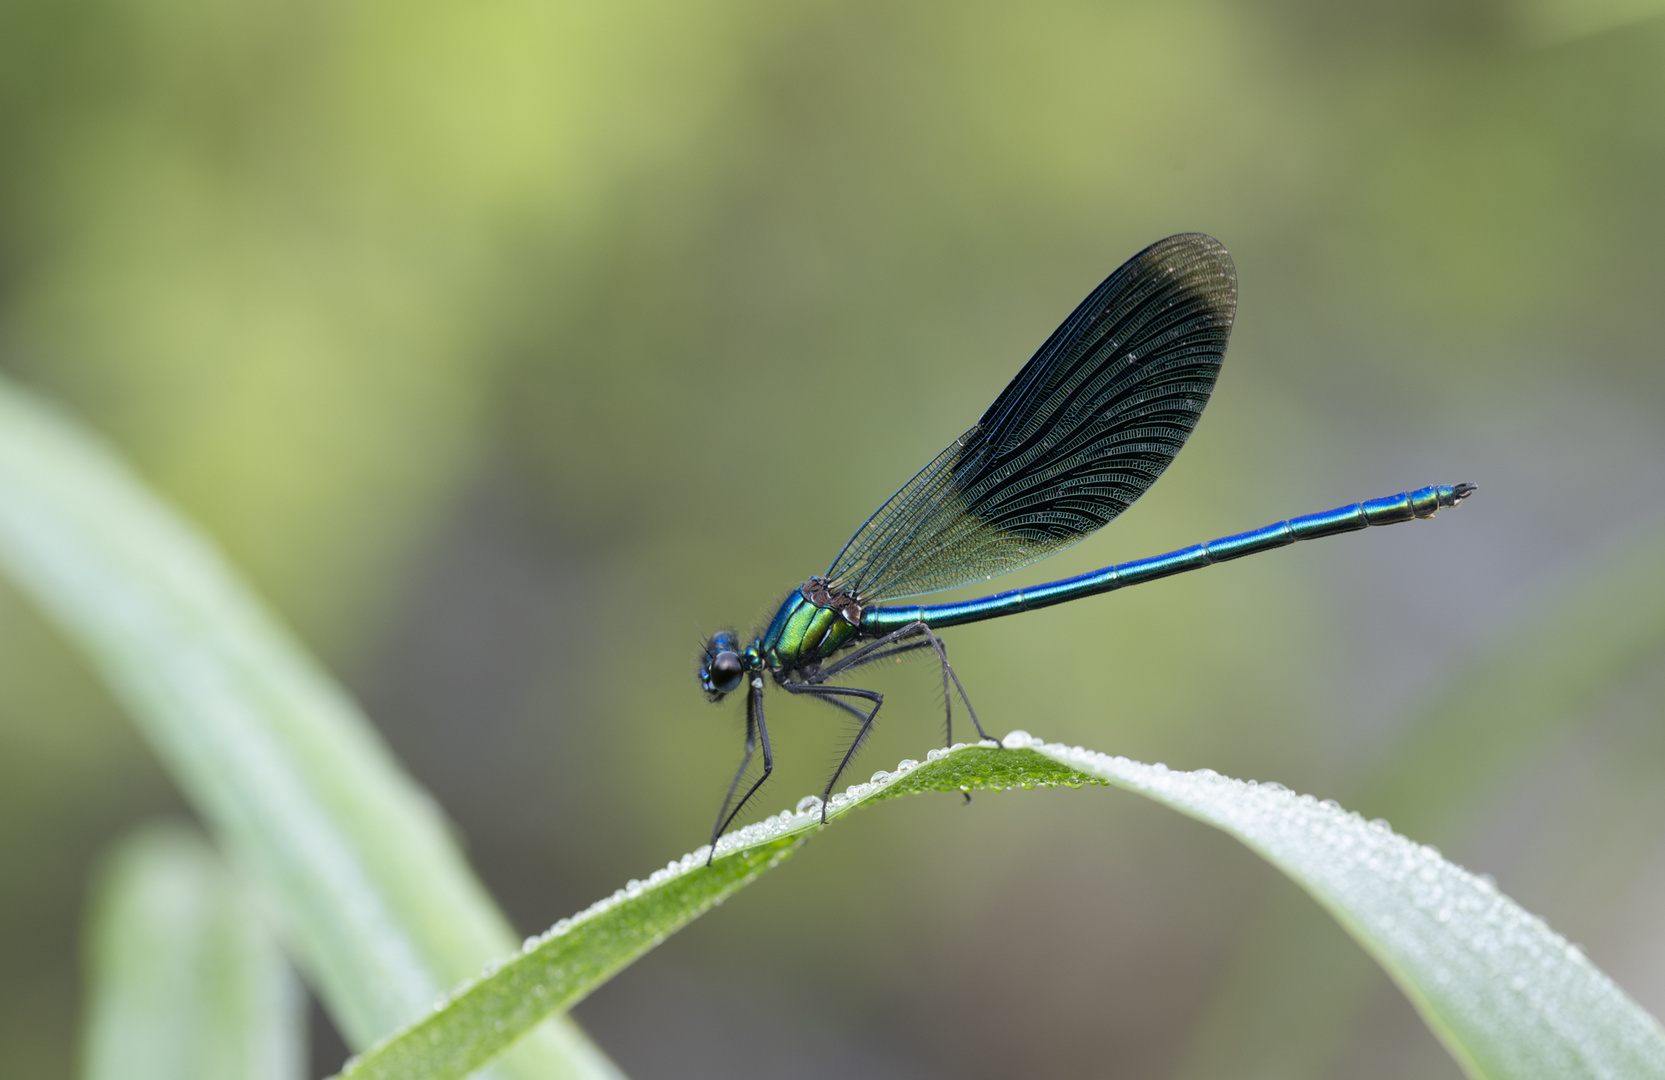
(892, 651)
(830, 693)
(865, 654)
(885, 647)
(756, 730)
(948, 674)
(889, 653)
(874, 658)
(859, 714)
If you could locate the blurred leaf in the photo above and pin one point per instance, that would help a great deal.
(1509, 997)
(1289, 999)
(357, 862)
(185, 980)
(562, 966)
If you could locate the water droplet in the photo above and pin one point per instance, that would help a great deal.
(809, 804)
(1017, 739)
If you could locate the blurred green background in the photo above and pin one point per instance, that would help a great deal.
(507, 345)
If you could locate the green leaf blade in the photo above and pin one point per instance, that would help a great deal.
(379, 906)
(1510, 999)
(1508, 996)
(1569, 647)
(385, 913)
(185, 981)
(556, 969)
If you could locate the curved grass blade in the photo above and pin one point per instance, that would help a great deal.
(1574, 646)
(379, 906)
(185, 981)
(1510, 999)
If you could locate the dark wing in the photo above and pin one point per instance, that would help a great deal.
(1087, 425)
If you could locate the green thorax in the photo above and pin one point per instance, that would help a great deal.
(813, 624)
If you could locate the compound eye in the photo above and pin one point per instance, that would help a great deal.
(726, 672)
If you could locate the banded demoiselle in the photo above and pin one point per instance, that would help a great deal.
(1082, 431)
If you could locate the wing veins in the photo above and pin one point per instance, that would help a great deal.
(1082, 430)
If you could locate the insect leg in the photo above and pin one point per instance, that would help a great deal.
(886, 646)
(947, 674)
(864, 654)
(831, 692)
(871, 658)
(859, 714)
(756, 731)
